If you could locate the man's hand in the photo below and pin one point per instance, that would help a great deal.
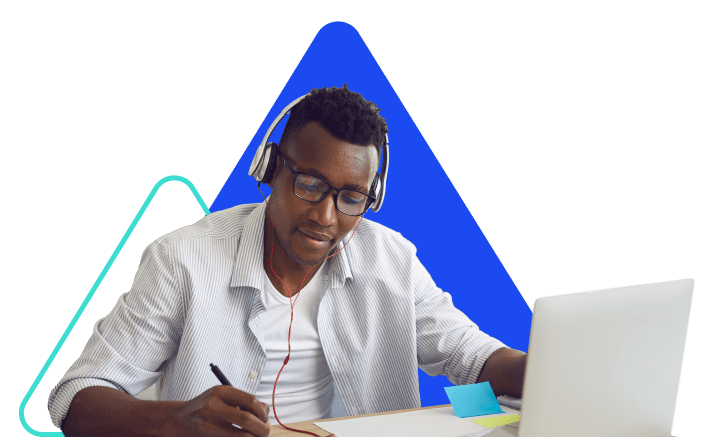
(106, 412)
(215, 411)
(504, 369)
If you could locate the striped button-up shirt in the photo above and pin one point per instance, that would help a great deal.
(196, 299)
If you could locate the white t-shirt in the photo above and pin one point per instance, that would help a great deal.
(305, 389)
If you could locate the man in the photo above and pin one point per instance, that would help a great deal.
(220, 291)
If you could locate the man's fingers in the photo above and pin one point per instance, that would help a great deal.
(247, 422)
(266, 410)
(226, 431)
(245, 401)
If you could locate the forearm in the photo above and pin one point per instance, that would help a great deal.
(106, 412)
(504, 370)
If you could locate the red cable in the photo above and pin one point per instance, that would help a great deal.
(286, 360)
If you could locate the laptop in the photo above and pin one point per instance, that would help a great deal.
(605, 363)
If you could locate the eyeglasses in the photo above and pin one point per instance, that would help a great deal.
(313, 189)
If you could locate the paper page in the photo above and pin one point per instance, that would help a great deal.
(436, 422)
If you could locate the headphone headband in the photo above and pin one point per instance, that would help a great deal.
(262, 166)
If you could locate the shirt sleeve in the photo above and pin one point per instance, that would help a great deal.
(132, 345)
(448, 342)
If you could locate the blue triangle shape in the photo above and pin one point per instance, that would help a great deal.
(421, 202)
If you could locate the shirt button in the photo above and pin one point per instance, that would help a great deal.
(253, 374)
(334, 360)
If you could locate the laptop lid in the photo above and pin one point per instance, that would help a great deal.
(606, 363)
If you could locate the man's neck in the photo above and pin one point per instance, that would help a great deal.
(289, 281)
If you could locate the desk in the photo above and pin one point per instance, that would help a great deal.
(278, 431)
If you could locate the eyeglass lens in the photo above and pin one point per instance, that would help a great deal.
(313, 189)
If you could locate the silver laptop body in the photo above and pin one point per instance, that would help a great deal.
(606, 363)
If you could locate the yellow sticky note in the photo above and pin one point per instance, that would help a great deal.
(491, 422)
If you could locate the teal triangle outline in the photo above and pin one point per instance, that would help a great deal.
(97, 283)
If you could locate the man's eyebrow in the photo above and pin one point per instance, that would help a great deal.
(319, 175)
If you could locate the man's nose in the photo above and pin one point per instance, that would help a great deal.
(324, 212)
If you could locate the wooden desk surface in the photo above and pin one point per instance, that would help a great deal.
(278, 431)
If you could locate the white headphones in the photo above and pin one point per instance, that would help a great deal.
(264, 162)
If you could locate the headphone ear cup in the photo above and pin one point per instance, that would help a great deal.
(375, 189)
(271, 163)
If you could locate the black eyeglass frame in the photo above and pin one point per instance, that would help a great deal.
(296, 173)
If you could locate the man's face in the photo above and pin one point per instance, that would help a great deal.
(308, 231)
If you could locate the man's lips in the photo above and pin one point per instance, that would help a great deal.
(316, 235)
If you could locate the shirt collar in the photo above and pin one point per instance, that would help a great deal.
(248, 270)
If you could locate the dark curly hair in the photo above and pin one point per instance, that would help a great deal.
(343, 113)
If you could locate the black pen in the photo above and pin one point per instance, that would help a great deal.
(223, 380)
(218, 374)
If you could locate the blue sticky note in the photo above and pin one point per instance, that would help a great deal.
(473, 400)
